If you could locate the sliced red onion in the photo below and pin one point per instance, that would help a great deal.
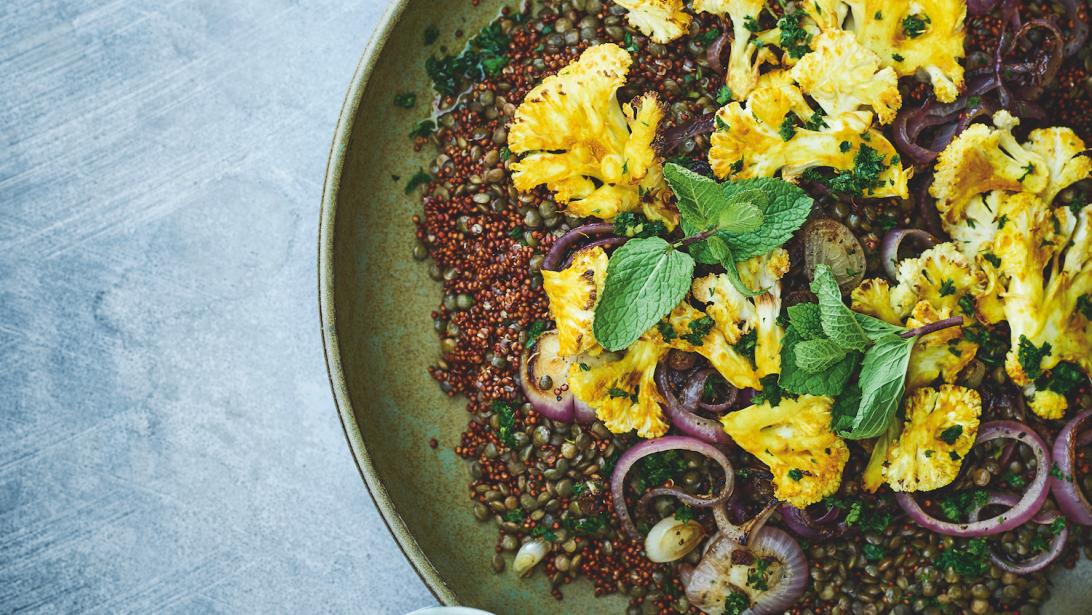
(978, 8)
(672, 138)
(889, 248)
(1079, 34)
(582, 412)
(543, 361)
(801, 522)
(1019, 514)
(1038, 561)
(1067, 490)
(564, 244)
(659, 445)
(716, 51)
(607, 243)
(710, 582)
(829, 242)
(683, 418)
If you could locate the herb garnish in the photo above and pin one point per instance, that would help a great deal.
(485, 54)
(405, 100)
(418, 179)
(1031, 356)
(970, 559)
(736, 603)
(506, 415)
(915, 25)
(795, 40)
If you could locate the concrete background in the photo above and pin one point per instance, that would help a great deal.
(168, 441)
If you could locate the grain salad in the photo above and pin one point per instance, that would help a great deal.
(768, 307)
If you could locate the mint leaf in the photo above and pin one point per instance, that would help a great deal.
(742, 212)
(646, 278)
(719, 249)
(844, 412)
(839, 322)
(807, 321)
(875, 328)
(818, 355)
(704, 205)
(787, 209)
(883, 381)
(830, 382)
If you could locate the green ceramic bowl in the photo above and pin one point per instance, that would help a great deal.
(375, 303)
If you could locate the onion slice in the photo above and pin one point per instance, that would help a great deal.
(1066, 491)
(659, 445)
(1038, 561)
(1021, 512)
(564, 244)
(717, 575)
(889, 248)
(543, 361)
(682, 416)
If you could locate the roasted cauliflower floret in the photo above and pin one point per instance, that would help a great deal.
(940, 354)
(982, 159)
(907, 35)
(941, 275)
(940, 429)
(661, 20)
(691, 330)
(573, 293)
(753, 140)
(745, 57)
(1063, 152)
(1045, 255)
(795, 440)
(842, 75)
(623, 393)
(578, 141)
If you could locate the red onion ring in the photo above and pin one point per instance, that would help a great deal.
(682, 416)
(716, 51)
(1022, 512)
(1079, 34)
(1067, 493)
(889, 248)
(561, 247)
(707, 581)
(607, 243)
(672, 138)
(804, 525)
(582, 412)
(1038, 561)
(658, 445)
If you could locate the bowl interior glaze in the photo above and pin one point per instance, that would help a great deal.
(375, 302)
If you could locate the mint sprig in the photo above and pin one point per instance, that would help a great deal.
(826, 342)
(723, 224)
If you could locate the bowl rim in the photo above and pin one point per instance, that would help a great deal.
(328, 317)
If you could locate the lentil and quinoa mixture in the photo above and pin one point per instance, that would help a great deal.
(545, 485)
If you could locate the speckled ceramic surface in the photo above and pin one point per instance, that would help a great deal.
(376, 302)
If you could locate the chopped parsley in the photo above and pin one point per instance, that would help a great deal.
(897, 57)
(633, 224)
(816, 121)
(966, 305)
(534, 330)
(515, 515)
(684, 514)
(951, 434)
(485, 55)
(541, 531)
(724, 95)
(666, 330)
(617, 393)
(751, 23)
(770, 393)
(721, 126)
(1056, 472)
(424, 128)
(795, 40)
(505, 153)
(758, 575)
(699, 328)
(419, 179)
(868, 165)
(947, 287)
(706, 38)
(1028, 170)
(865, 517)
(747, 344)
(878, 16)
(506, 415)
(736, 603)
(970, 559)
(1031, 356)
(1057, 526)
(586, 526)
(1002, 221)
(788, 127)
(873, 553)
(845, 146)
(407, 100)
(915, 25)
(657, 469)
(1014, 480)
(992, 258)
(957, 505)
(796, 474)
(1062, 379)
(737, 166)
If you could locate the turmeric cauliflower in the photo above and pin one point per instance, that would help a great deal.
(661, 20)
(1062, 152)
(940, 354)
(745, 57)
(1045, 266)
(578, 141)
(573, 293)
(767, 134)
(738, 335)
(907, 35)
(941, 275)
(795, 440)
(940, 429)
(841, 75)
(623, 393)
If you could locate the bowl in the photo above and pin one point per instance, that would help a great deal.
(375, 303)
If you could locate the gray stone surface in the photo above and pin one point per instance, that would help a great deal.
(168, 441)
